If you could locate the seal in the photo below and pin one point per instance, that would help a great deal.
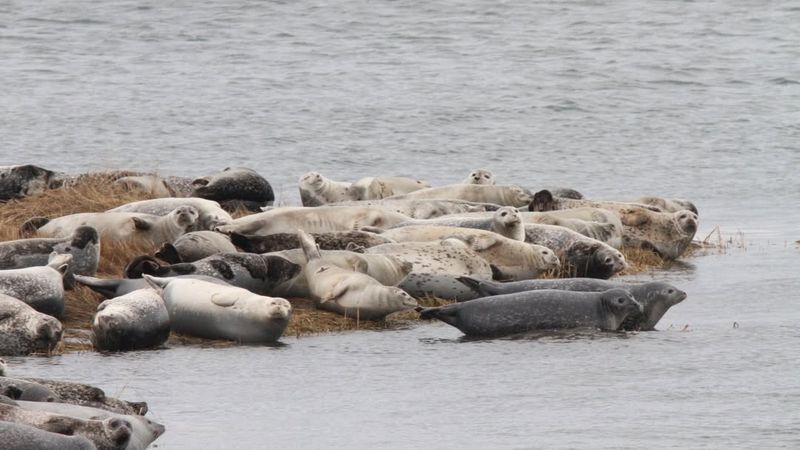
(42, 287)
(506, 221)
(235, 187)
(20, 389)
(337, 240)
(449, 256)
(581, 255)
(480, 176)
(424, 209)
(544, 200)
(19, 436)
(376, 188)
(213, 311)
(499, 195)
(3, 367)
(323, 219)
(256, 273)
(144, 430)
(23, 180)
(210, 213)
(23, 330)
(346, 292)
(146, 184)
(83, 245)
(667, 234)
(655, 297)
(610, 233)
(87, 395)
(670, 205)
(317, 190)
(444, 286)
(135, 321)
(120, 226)
(195, 245)
(522, 312)
(510, 259)
(110, 434)
(117, 287)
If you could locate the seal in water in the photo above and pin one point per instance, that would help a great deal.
(40, 287)
(480, 176)
(522, 312)
(135, 321)
(655, 297)
(235, 187)
(195, 245)
(346, 292)
(23, 330)
(19, 436)
(337, 240)
(213, 311)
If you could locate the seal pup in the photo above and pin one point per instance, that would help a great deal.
(585, 256)
(500, 195)
(424, 209)
(135, 321)
(317, 190)
(108, 434)
(210, 212)
(146, 184)
(322, 219)
(506, 221)
(19, 436)
(83, 245)
(234, 187)
(510, 259)
(42, 287)
(670, 205)
(23, 181)
(256, 273)
(336, 240)
(195, 245)
(655, 297)
(212, 311)
(376, 188)
(346, 292)
(120, 226)
(144, 430)
(86, 395)
(23, 330)
(667, 234)
(480, 176)
(504, 315)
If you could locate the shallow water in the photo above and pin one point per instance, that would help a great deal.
(683, 99)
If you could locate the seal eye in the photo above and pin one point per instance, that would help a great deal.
(608, 260)
(620, 301)
(545, 252)
(486, 176)
(671, 291)
(504, 214)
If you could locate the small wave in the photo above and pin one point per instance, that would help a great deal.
(679, 82)
(783, 81)
(65, 22)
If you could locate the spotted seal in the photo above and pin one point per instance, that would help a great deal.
(584, 256)
(424, 209)
(40, 287)
(19, 436)
(83, 245)
(670, 205)
(317, 190)
(376, 188)
(23, 330)
(336, 240)
(235, 187)
(667, 234)
(527, 311)
(506, 221)
(500, 195)
(146, 184)
(210, 212)
(134, 321)
(87, 395)
(23, 180)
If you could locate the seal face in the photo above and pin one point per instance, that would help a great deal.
(317, 190)
(137, 320)
(23, 330)
(234, 187)
(480, 176)
(585, 256)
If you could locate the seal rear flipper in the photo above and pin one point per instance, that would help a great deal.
(144, 264)
(367, 229)
(446, 314)
(31, 225)
(106, 288)
(168, 253)
(475, 284)
(308, 244)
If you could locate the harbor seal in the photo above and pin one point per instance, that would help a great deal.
(322, 219)
(667, 234)
(42, 287)
(424, 209)
(19, 436)
(337, 240)
(20, 389)
(584, 256)
(346, 292)
(449, 256)
(23, 181)
(506, 221)
(317, 190)
(146, 184)
(499, 195)
(212, 311)
(376, 188)
(256, 273)
(135, 321)
(87, 395)
(108, 434)
(544, 200)
(510, 259)
(117, 287)
(144, 430)
(670, 205)
(23, 330)
(655, 297)
(120, 226)
(610, 233)
(235, 187)
(210, 212)
(195, 245)
(480, 176)
(83, 245)
(522, 312)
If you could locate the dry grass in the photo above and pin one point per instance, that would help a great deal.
(97, 193)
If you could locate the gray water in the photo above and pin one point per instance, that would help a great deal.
(616, 99)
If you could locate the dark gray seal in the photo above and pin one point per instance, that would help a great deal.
(655, 297)
(135, 321)
(17, 436)
(256, 273)
(23, 330)
(582, 255)
(336, 240)
(234, 188)
(22, 181)
(522, 312)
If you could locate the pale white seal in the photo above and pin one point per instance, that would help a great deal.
(671, 205)
(317, 190)
(195, 245)
(506, 221)
(41, 287)
(608, 232)
(480, 176)
(425, 209)
(481, 193)
(235, 187)
(146, 184)
(376, 188)
(211, 214)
